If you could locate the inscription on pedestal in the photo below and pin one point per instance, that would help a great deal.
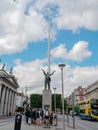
(47, 99)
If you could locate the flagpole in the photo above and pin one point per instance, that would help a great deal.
(49, 39)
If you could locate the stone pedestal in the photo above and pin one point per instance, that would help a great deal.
(47, 100)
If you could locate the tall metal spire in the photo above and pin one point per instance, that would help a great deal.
(49, 39)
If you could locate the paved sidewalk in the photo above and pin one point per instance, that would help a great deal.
(5, 118)
(24, 126)
(40, 127)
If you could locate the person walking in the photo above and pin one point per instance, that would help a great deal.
(51, 118)
(55, 118)
(47, 117)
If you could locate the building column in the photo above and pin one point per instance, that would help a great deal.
(9, 97)
(2, 99)
(6, 101)
(14, 103)
(10, 102)
(4, 106)
(0, 96)
(0, 90)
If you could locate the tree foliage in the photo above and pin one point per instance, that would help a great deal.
(36, 100)
(58, 101)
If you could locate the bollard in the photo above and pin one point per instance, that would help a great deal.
(18, 119)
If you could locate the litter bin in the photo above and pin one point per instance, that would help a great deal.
(18, 119)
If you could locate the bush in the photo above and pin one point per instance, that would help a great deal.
(21, 109)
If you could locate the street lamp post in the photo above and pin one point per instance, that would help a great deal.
(67, 110)
(61, 67)
(25, 106)
(54, 99)
(73, 110)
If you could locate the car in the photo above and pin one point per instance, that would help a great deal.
(71, 113)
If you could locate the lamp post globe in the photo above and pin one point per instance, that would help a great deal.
(61, 66)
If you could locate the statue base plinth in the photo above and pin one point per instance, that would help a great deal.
(47, 100)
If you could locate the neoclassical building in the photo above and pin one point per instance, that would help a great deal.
(8, 90)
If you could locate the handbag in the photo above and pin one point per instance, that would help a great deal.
(29, 121)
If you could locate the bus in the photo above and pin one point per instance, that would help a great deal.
(88, 109)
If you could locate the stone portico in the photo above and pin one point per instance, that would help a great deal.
(8, 89)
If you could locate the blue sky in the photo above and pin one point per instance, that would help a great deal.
(74, 42)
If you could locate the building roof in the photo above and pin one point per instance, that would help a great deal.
(9, 77)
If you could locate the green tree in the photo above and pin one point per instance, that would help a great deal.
(21, 109)
(58, 101)
(65, 104)
(36, 100)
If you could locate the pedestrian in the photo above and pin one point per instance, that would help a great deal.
(55, 118)
(28, 116)
(38, 117)
(51, 118)
(47, 117)
(42, 117)
(10, 114)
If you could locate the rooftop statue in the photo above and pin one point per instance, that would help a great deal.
(11, 69)
(3, 67)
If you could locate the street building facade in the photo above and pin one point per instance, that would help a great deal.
(92, 91)
(78, 96)
(8, 90)
(81, 94)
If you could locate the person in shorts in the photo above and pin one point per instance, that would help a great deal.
(46, 116)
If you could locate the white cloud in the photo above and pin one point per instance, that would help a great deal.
(78, 53)
(59, 52)
(76, 14)
(18, 29)
(30, 74)
(24, 21)
(81, 76)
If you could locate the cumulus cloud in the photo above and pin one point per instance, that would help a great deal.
(78, 53)
(76, 14)
(23, 22)
(19, 29)
(30, 74)
(81, 76)
(59, 52)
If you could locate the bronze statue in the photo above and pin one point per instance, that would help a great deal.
(47, 79)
